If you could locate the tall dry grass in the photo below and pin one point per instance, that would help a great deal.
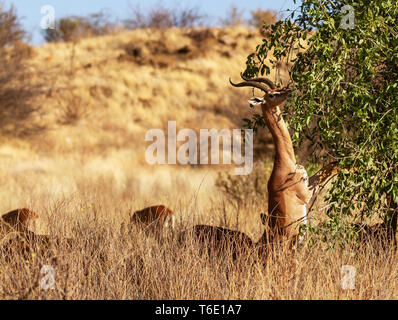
(109, 262)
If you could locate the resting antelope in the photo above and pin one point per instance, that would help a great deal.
(156, 219)
(17, 225)
(288, 190)
(19, 220)
(220, 239)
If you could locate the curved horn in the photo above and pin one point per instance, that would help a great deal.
(250, 84)
(264, 80)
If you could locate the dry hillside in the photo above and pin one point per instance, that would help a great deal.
(104, 93)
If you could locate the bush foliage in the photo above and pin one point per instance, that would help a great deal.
(345, 101)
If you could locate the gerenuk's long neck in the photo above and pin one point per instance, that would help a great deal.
(284, 152)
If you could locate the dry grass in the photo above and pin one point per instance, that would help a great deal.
(107, 262)
(86, 173)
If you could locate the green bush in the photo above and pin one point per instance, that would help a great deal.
(345, 99)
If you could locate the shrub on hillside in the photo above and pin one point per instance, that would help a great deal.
(16, 94)
(261, 18)
(160, 16)
(73, 28)
(234, 17)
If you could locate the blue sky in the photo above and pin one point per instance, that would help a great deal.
(30, 10)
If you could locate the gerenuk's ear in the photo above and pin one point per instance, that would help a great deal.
(256, 101)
